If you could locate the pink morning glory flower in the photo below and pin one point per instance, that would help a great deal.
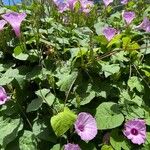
(3, 96)
(128, 16)
(86, 5)
(135, 130)
(85, 126)
(124, 2)
(70, 146)
(2, 24)
(14, 19)
(109, 33)
(145, 25)
(107, 2)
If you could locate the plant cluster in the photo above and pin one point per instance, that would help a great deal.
(75, 75)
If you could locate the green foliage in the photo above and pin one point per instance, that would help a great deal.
(118, 142)
(106, 147)
(9, 129)
(66, 80)
(108, 116)
(110, 69)
(134, 82)
(41, 131)
(28, 141)
(62, 64)
(63, 121)
(18, 53)
(56, 147)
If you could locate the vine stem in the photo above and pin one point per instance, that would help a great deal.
(24, 114)
(118, 50)
(68, 92)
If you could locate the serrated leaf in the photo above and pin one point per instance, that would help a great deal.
(63, 121)
(28, 141)
(108, 116)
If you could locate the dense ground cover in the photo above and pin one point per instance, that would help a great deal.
(75, 75)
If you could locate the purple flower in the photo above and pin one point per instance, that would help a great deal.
(70, 146)
(61, 4)
(107, 2)
(71, 4)
(15, 19)
(145, 25)
(2, 24)
(124, 2)
(135, 130)
(85, 126)
(3, 96)
(128, 16)
(86, 5)
(109, 33)
(64, 5)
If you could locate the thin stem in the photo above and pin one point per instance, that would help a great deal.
(116, 51)
(68, 92)
(107, 54)
(130, 73)
(24, 114)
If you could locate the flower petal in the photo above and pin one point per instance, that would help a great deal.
(137, 125)
(85, 126)
(70, 146)
(2, 24)
(14, 19)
